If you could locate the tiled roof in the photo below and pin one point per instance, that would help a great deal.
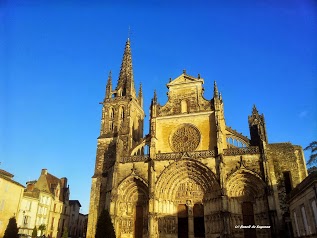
(73, 202)
(308, 181)
(5, 173)
(10, 180)
(52, 181)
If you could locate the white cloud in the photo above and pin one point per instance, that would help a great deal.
(302, 114)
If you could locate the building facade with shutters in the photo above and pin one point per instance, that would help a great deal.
(45, 204)
(303, 207)
(191, 175)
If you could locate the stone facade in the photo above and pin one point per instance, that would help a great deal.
(11, 193)
(191, 175)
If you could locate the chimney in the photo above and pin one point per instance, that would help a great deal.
(44, 172)
(30, 186)
(64, 182)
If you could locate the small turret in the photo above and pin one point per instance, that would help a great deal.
(257, 127)
(109, 86)
(140, 96)
(216, 93)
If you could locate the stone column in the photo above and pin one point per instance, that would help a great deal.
(190, 219)
(152, 225)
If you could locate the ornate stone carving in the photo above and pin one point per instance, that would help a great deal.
(134, 158)
(126, 225)
(167, 225)
(242, 151)
(185, 138)
(189, 190)
(179, 155)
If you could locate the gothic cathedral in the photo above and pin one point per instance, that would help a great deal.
(191, 175)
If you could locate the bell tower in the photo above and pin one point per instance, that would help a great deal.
(121, 129)
(257, 128)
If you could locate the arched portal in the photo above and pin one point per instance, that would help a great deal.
(247, 201)
(184, 189)
(132, 208)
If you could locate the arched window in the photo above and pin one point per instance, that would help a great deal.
(111, 112)
(121, 112)
(184, 106)
(110, 125)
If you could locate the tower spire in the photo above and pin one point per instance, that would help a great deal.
(125, 86)
(216, 94)
(109, 86)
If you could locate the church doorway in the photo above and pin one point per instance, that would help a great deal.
(138, 224)
(248, 219)
(199, 223)
(182, 215)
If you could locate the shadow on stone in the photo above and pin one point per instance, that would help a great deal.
(105, 227)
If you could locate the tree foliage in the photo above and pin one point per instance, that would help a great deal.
(12, 229)
(34, 232)
(65, 234)
(105, 227)
(313, 149)
(42, 227)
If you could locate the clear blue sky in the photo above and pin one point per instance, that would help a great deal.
(55, 58)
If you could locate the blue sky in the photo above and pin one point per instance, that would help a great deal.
(55, 59)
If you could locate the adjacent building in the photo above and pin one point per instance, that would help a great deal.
(303, 208)
(192, 175)
(45, 205)
(11, 193)
(77, 221)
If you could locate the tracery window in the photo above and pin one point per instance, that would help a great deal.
(111, 112)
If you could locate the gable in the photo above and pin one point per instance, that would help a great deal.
(185, 80)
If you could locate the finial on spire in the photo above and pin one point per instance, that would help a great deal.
(155, 97)
(198, 76)
(254, 110)
(110, 77)
(109, 86)
(184, 71)
(129, 32)
(140, 90)
(216, 94)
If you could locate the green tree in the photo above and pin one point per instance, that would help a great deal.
(65, 234)
(313, 149)
(12, 229)
(104, 227)
(34, 232)
(42, 227)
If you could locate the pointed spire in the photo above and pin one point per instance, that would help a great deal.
(216, 94)
(109, 78)
(109, 86)
(154, 97)
(126, 81)
(254, 110)
(140, 90)
(140, 96)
